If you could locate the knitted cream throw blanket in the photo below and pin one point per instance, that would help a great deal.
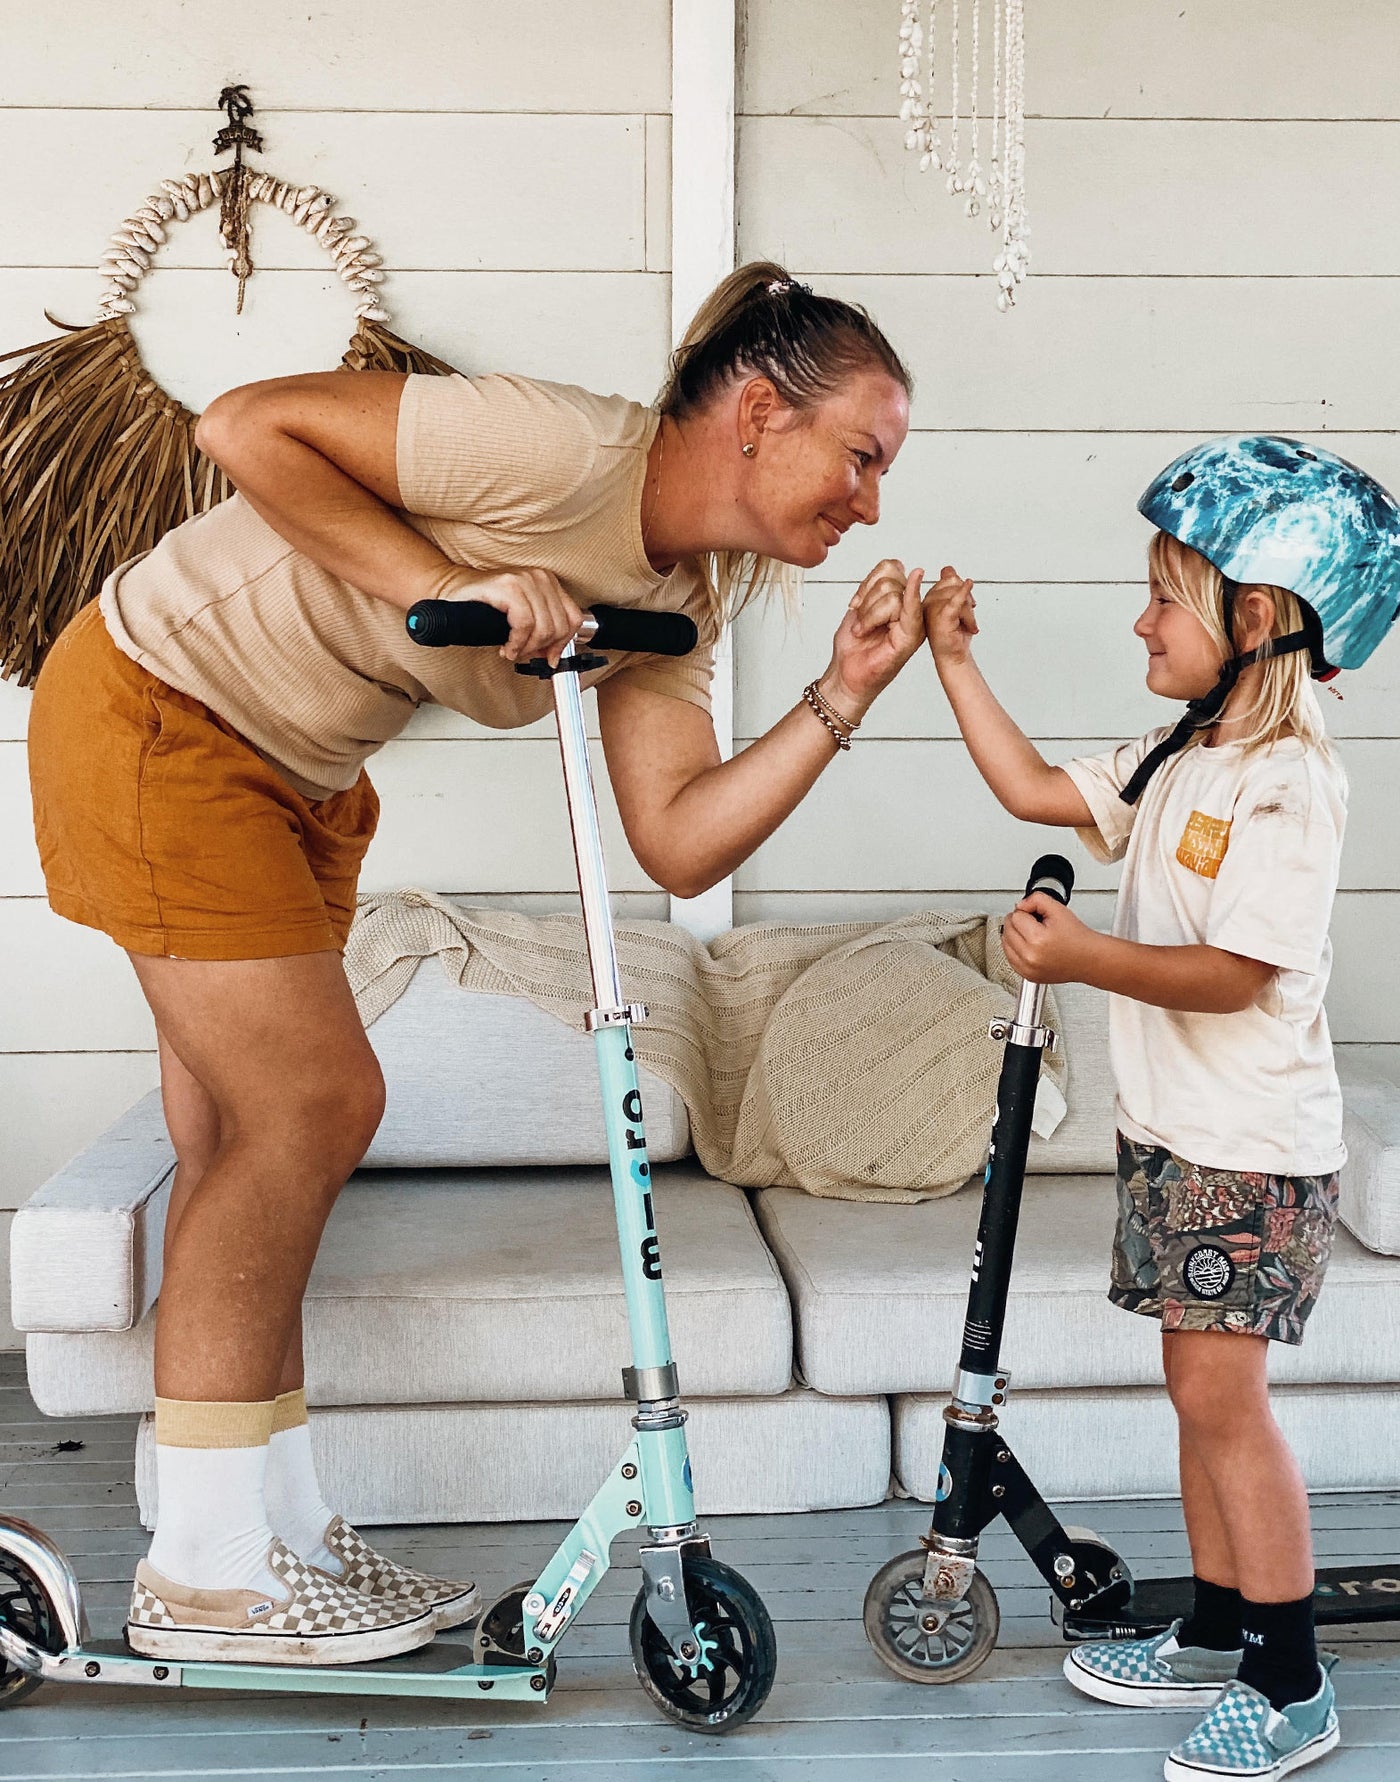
(849, 1059)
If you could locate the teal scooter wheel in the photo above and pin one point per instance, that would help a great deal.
(918, 1641)
(730, 1681)
(25, 1608)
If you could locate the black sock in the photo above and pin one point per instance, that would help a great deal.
(1214, 1622)
(1280, 1650)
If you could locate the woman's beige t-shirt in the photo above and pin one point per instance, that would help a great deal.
(501, 473)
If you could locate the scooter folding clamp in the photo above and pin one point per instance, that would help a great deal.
(631, 1014)
(646, 1385)
(1043, 1037)
(980, 1392)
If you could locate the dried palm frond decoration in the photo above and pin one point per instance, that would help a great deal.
(97, 461)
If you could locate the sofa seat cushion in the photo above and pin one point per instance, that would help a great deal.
(1121, 1442)
(436, 1286)
(529, 1463)
(879, 1295)
(474, 1080)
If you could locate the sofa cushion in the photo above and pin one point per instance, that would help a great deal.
(1085, 1138)
(85, 1248)
(480, 1081)
(1122, 1442)
(1370, 1187)
(431, 1288)
(495, 1463)
(879, 1293)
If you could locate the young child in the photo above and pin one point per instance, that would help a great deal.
(1273, 561)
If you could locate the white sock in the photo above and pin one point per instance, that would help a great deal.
(299, 1514)
(212, 1531)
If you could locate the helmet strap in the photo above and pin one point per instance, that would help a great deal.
(1201, 713)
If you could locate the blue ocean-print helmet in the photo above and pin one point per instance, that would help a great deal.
(1264, 508)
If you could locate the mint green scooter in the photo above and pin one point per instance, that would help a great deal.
(702, 1641)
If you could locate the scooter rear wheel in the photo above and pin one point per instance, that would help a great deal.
(730, 1681)
(897, 1624)
(24, 1607)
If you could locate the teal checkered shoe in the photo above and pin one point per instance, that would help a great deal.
(1244, 1738)
(1152, 1673)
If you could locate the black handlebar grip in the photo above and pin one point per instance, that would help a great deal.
(437, 623)
(652, 634)
(440, 622)
(1053, 875)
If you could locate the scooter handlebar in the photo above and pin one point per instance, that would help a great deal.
(436, 623)
(1053, 875)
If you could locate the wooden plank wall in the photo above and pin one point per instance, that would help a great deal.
(1214, 200)
(1213, 196)
(513, 166)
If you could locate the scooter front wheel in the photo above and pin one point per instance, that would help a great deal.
(917, 1640)
(730, 1679)
(25, 1608)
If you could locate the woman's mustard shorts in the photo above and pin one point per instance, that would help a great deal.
(159, 824)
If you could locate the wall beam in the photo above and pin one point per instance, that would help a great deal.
(704, 48)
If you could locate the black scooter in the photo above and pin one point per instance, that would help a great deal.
(931, 1615)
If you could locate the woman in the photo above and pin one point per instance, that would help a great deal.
(197, 744)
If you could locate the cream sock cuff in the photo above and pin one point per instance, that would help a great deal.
(289, 1410)
(196, 1423)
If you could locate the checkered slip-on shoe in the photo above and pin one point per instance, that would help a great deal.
(1244, 1739)
(312, 1620)
(1151, 1673)
(450, 1604)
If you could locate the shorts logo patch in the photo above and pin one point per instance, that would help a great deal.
(1208, 1272)
(1203, 844)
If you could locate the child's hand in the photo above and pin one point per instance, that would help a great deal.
(949, 622)
(878, 634)
(1047, 943)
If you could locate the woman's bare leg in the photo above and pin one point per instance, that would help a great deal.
(278, 1051)
(192, 1120)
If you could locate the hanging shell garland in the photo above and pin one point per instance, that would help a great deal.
(97, 462)
(134, 246)
(1002, 185)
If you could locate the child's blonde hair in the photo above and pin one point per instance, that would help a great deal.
(1286, 704)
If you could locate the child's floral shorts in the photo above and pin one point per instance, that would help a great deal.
(1219, 1249)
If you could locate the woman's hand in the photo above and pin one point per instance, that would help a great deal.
(949, 617)
(1047, 943)
(542, 616)
(880, 632)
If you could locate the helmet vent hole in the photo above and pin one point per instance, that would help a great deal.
(1184, 481)
(1303, 452)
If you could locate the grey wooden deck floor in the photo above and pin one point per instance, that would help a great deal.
(834, 1713)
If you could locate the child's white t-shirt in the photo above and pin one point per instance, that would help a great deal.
(1240, 851)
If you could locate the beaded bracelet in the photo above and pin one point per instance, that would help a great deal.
(828, 716)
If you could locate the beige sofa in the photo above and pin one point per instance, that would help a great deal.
(465, 1329)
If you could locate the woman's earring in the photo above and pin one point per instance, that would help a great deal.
(750, 450)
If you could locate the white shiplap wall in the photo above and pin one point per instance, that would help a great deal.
(513, 165)
(1214, 194)
(1214, 197)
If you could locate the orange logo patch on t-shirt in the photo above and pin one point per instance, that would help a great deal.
(1203, 844)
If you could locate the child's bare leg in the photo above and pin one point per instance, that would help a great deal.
(1218, 1383)
(1205, 1526)
(1214, 1621)
(1246, 1495)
